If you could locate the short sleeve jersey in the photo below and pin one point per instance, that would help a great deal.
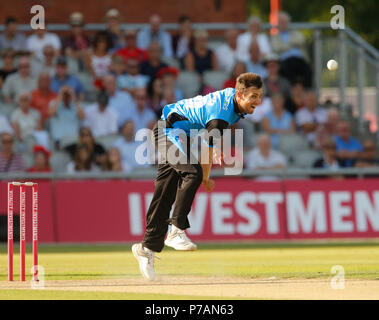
(198, 111)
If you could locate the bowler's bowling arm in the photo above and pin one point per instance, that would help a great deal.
(206, 164)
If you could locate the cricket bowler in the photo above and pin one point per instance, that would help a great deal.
(177, 182)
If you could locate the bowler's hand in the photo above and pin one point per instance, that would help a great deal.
(208, 185)
(218, 157)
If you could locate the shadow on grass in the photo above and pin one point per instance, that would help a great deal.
(126, 247)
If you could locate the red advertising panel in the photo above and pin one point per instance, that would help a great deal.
(46, 225)
(332, 208)
(115, 211)
(237, 209)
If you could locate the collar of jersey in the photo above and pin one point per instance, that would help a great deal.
(236, 110)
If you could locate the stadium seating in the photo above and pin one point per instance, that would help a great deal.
(107, 141)
(305, 159)
(215, 79)
(290, 143)
(6, 109)
(171, 62)
(59, 161)
(67, 140)
(189, 83)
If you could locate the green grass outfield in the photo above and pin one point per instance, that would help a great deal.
(307, 260)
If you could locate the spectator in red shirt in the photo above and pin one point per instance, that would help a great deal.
(131, 50)
(238, 69)
(41, 160)
(42, 96)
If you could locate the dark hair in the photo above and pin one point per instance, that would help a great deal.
(78, 164)
(10, 20)
(183, 18)
(100, 36)
(247, 80)
(150, 86)
(103, 98)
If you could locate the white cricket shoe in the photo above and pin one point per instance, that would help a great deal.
(145, 258)
(178, 240)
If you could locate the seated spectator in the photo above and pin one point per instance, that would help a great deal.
(329, 128)
(127, 145)
(144, 117)
(168, 97)
(5, 126)
(41, 38)
(18, 82)
(263, 157)
(227, 52)
(113, 21)
(367, 157)
(47, 64)
(291, 46)
(75, 45)
(42, 96)
(120, 102)
(133, 79)
(254, 64)
(118, 66)
(169, 76)
(238, 69)
(63, 78)
(11, 39)
(10, 161)
(151, 67)
(183, 41)
(253, 33)
(98, 58)
(296, 101)
(201, 58)
(311, 117)
(154, 33)
(114, 162)
(97, 151)
(278, 121)
(328, 160)
(65, 115)
(131, 51)
(274, 82)
(41, 160)
(8, 65)
(25, 120)
(155, 95)
(348, 148)
(82, 162)
(100, 118)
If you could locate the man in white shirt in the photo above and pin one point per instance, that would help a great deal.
(263, 157)
(255, 64)
(100, 118)
(127, 145)
(5, 126)
(41, 38)
(253, 33)
(154, 32)
(311, 117)
(227, 52)
(143, 117)
(21, 81)
(25, 120)
(120, 102)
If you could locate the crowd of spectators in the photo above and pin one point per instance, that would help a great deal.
(84, 87)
